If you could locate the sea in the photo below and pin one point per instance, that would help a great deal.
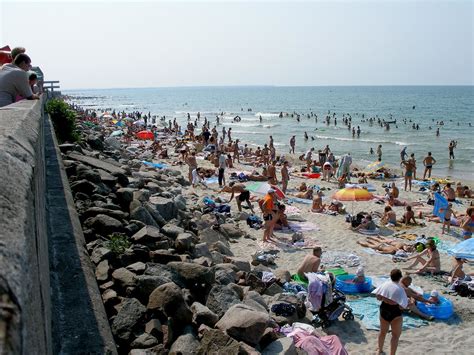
(449, 108)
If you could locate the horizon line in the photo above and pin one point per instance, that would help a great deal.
(268, 86)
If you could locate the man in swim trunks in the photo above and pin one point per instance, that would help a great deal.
(432, 265)
(310, 263)
(271, 173)
(244, 195)
(428, 162)
(292, 144)
(409, 170)
(449, 192)
(285, 177)
(318, 205)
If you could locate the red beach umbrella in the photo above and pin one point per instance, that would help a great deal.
(145, 135)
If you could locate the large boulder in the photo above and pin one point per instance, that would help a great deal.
(231, 231)
(256, 297)
(165, 207)
(203, 315)
(211, 236)
(240, 263)
(172, 230)
(123, 277)
(225, 274)
(125, 196)
(141, 214)
(221, 298)
(144, 341)
(94, 211)
(155, 214)
(103, 224)
(215, 341)
(243, 323)
(147, 234)
(127, 318)
(185, 344)
(146, 284)
(184, 242)
(198, 279)
(168, 298)
(84, 186)
(202, 249)
(222, 248)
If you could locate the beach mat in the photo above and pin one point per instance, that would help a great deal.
(367, 310)
(154, 165)
(302, 226)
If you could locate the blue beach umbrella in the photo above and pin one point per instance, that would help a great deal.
(463, 250)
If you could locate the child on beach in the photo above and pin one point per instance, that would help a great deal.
(447, 216)
(434, 297)
(360, 276)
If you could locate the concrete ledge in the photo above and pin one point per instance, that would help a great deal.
(49, 299)
(80, 322)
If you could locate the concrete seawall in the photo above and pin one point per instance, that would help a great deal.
(49, 299)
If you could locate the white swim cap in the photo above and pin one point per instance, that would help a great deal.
(434, 293)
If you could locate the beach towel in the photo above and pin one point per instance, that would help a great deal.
(335, 259)
(375, 231)
(302, 226)
(440, 203)
(155, 165)
(211, 180)
(300, 200)
(368, 187)
(315, 344)
(407, 236)
(367, 310)
(393, 292)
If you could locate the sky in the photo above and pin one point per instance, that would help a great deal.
(113, 44)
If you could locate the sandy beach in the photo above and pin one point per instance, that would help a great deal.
(334, 235)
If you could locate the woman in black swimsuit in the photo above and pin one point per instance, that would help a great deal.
(390, 317)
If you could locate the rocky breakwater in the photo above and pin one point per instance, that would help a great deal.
(169, 280)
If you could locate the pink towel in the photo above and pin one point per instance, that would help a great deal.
(314, 345)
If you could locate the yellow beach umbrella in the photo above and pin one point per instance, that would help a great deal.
(353, 194)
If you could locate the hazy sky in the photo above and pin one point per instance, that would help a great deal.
(109, 44)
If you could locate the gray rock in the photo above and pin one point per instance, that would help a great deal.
(126, 319)
(214, 341)
(83, 186)
(217, 258)
(242, 264)
(95, 142)
(254, 305)
(221, 298)
(231, 231)
(202, 249)
(274, 289)
(256, 297)
(169, 299)
(94, 211)
(282, 275)
(185, 344)
(107, 178)
(142, 215)
(144, 341)
(184, 242)
(102, 271)
(244, 323)
(112, 143)
(165, 207)
(210, 236)
(282, 346)
(125, 196)
(203, 315)
(146, 284)
(123, 278)
(137, 267)
(89, 175)
(99, 254)
(172, 230)
(153, 327)
(222, 248)
(141, 195)
(155, 214)
(147, 234)
(180, 202)
(225, 273)
(196, 278)
(104, 225)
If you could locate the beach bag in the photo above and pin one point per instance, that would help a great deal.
(209, 202)
(254, 222)
(223, 209)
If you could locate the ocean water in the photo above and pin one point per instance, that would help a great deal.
(454, 105)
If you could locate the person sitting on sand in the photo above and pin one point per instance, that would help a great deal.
(303, 187)
(414, 296)
(466, 192)
(281, 218)
(362, 179)
(367, 224)
(467, 223)
(318, 205)
(408, 216)
(394, 190)
(457, 272)
(244, 194)
(459, 190)
(310, 263)
(449, 192)
(386, 245)
(389, 217)
(197, 177)
(307, 195)
(342, 181)
(432, 264)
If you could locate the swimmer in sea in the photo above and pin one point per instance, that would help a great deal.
(428, 162)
